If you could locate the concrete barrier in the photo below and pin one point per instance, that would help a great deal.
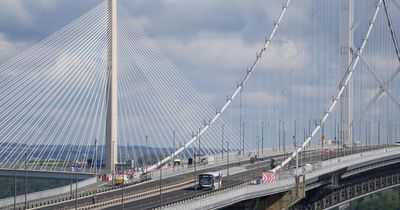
(46, 193)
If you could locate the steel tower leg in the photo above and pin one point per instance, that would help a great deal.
(112, 92)
(346, 41)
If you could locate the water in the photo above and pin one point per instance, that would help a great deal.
(34, 185)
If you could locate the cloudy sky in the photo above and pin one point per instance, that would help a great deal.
(199, 36)
(213, 42)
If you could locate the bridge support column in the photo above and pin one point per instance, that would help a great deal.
(346, 40)
(112, 93)
(288, 198)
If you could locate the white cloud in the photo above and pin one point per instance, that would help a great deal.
(382, 64)
(47, 4)
(210, 49)
(230, 51)
(262, 99)
(10, 49)
(15, 10)
(286, 54)
(310, 90)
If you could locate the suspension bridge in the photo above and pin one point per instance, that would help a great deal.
(100, 94)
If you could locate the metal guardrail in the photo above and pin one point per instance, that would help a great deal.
(232, 194)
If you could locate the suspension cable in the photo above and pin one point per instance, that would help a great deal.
(343, 84)
(233, 96)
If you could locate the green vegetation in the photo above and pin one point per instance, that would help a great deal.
(34, 185)
(387, 200)
(47, 163)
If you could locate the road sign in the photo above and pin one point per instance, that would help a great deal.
(322, 138)
(129, 172)
(268, 177)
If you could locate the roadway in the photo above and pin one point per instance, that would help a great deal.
(251, 171)
(139, 188)
(182, 192)
(188, 191)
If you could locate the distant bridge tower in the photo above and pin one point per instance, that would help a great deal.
(346, 41)
(112, 92)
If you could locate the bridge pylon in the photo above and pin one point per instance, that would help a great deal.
(345, 58)
(112, 91)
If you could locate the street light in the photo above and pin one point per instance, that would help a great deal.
(95, 170)
(76, 187)
(15, 187)
(145, 155)
(195, 176)
(160, 185)
(222, 141)
(297, 159)
(227, 163)
(243, 139)
(283, 139)
(123, 183)
(26, 182)
(279, 136)
(70, 177)
(173, 150)
(262, 137)
(199, 149)
(258, 155)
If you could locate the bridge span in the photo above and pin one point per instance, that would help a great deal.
(63, 98)
(178, 191)
(336, 181)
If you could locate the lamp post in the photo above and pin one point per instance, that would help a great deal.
(70, 177)
(145, 155)
(227, 163)
(173, 150)
(279, 136)
(199, 149)
(283, 139)
(303, 160)
(160, 185)
(76, 187)
(258, 155)
(26, 182)
(95, 170)
(15, 188)
(123, 183)
(222, 142)
(195, 176)
(243, 139)
(262, 137)
(379, 132)
(297, 159)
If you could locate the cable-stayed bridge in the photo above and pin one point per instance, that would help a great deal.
(100, 92)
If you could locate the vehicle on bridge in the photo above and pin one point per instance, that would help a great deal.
(139, 176)
(212, 180)
(328, 150)
(308, 168)
(121, 179)
(272, 163)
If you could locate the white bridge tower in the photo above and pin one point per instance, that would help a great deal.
(112, 92)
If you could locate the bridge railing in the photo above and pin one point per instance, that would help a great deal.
(232, 195)
(285, 180)
(46, 193)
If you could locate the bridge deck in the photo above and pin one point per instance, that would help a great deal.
(244, 192)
